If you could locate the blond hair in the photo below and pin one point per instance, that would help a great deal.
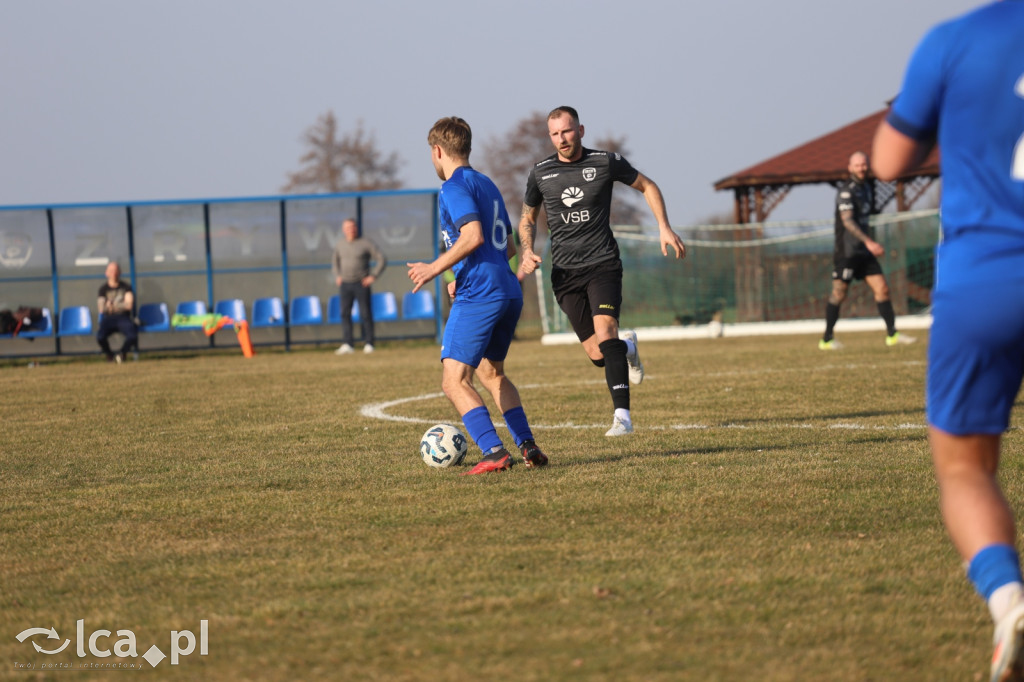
(453, 135)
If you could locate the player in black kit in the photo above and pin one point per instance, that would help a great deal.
(575, 187)
(856, 254)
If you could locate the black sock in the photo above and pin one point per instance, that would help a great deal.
(886, 311)
(616, 371)
(831, 317)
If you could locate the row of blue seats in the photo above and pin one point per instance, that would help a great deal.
(266, 312)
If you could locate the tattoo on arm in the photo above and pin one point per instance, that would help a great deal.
(528, 226)
(851, 225)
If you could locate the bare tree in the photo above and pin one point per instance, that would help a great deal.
(351, 163)
(507, 159)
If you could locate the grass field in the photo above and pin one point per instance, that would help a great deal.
(774, 517)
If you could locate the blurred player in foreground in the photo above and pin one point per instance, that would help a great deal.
(964, 88)
(487, 298)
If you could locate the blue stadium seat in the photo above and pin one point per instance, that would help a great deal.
(334, 310)
(385, 306)
(233, 308)
(191, 308)
(267, 312)
(154, 317)
(305, 310)
(418, 306)
(44, 328)
(74, 321)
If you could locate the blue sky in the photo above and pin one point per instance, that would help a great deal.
(130, 100)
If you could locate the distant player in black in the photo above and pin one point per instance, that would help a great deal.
(575, 187)
(856, 254)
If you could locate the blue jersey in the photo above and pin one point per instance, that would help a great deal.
(964, 87)
(483, 275)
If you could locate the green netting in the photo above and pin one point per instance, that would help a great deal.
(761, 272)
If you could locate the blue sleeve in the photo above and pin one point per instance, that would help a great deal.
(461, 205)
(915, 113)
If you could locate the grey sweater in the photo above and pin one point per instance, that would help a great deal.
(351, 260)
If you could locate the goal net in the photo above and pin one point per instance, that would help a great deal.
(759, 272)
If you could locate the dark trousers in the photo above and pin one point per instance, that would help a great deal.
(122, 324)
(355, 291)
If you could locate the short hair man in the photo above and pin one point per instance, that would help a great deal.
(356, 265)
(856, 254)
(964, 88)
(575, 186)
(116, 305)
(487, 298)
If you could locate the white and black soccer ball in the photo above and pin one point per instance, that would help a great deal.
(443, 446)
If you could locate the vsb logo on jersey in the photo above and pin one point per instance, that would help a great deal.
(589, 174)
(571, 195)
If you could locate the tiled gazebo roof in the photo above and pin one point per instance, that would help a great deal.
(821, 160)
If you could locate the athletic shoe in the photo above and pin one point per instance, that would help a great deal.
(368, 348)
(829, 345)
(1008, 656)
(496, 461)
(636, 368)
(898, 339)
(532, 456)
(119, 358)
(343, 349)
(620, 427)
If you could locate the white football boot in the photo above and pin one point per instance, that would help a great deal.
(636, 368)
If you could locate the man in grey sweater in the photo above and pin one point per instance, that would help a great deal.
(351, 265)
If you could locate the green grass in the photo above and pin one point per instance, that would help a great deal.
(773, 517)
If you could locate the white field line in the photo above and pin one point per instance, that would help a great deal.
(382, 410)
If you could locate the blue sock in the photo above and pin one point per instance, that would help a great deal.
(515, 419)
(481, 428)
(993, 567)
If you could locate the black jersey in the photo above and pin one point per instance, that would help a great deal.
(116, 296)
(858, 197)
(577, 198)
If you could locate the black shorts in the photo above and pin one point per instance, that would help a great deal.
(856, 267)
(584, 292)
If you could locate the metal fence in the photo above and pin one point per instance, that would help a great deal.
(54, 257)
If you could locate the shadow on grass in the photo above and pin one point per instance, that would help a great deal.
(888, 438)
(716, 450)
(862, 414)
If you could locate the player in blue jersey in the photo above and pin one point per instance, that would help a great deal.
(487, 297)
(964, 89)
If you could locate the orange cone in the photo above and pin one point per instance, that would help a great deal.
(242, 329)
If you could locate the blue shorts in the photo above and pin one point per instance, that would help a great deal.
(480, 330)
(975, 357)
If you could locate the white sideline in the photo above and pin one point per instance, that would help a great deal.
(701, 331)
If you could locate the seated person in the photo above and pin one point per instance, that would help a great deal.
(116, 303)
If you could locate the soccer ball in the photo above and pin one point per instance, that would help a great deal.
(442, 446)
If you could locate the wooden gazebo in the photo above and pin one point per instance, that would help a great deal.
(760, 188)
